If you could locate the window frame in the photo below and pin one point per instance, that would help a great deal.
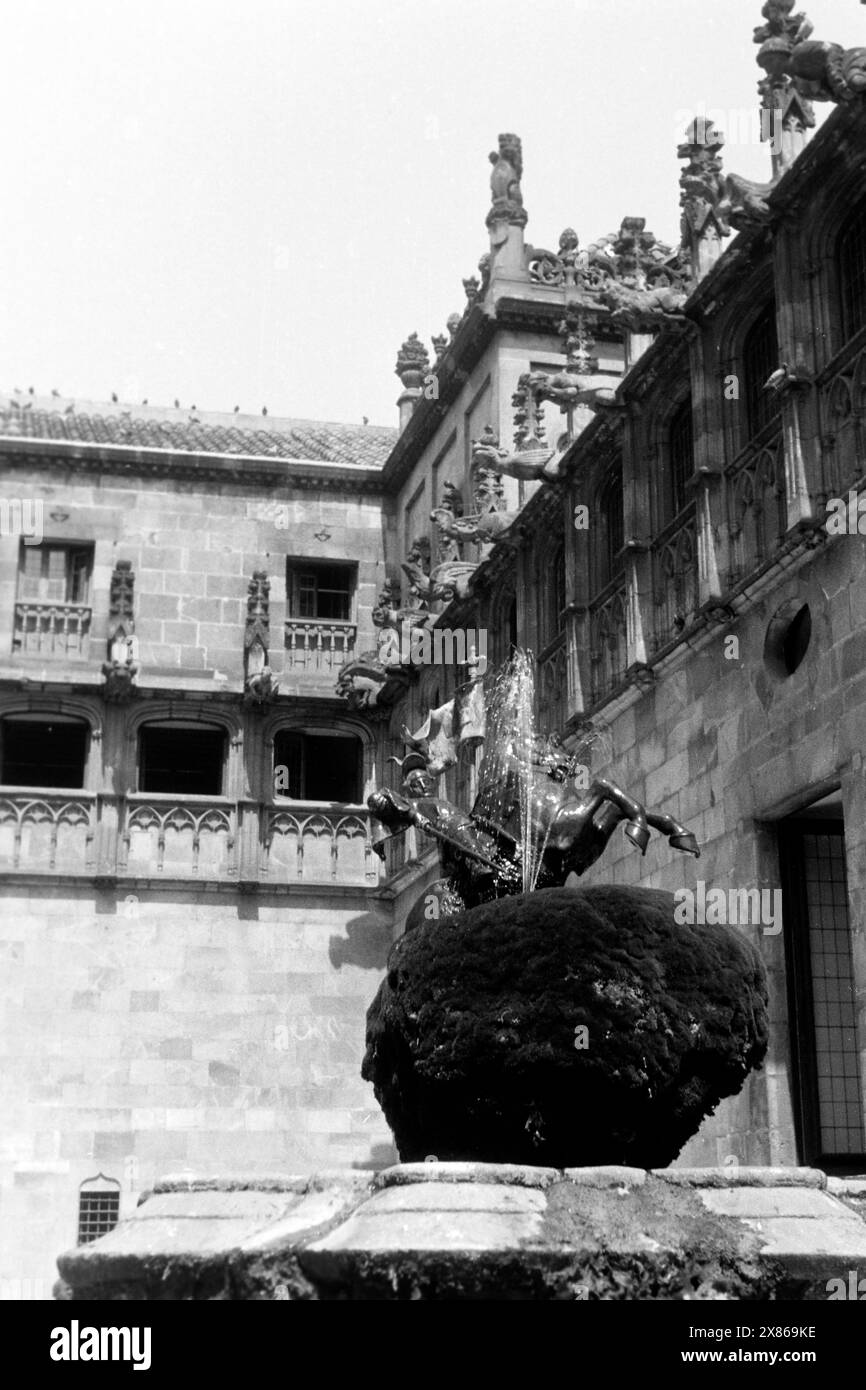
(82, 550)
(297, 569)
(854, 223)
(759, 408)
(187, 727)
(303, 735)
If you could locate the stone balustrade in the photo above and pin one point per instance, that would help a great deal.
(184, 838)
(318, 645)
(52, 629)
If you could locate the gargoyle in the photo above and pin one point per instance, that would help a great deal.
(827, 71)
(634, 306)
(526, 464)
(446, 581)
(361, 683)
(483, 527)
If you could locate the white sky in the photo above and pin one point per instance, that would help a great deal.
(255, 203)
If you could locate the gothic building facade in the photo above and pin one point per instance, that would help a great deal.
(220, 634)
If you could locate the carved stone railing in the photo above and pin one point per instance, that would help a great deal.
(552, 686)
(756, 503)
(608, 639)
(842, 396)
(179, 837)
(309, 843)
(675, 579)
(48, 831)
(52, 629)
(318, 645)
(185, 838)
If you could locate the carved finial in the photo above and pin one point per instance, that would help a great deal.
(413, 362)
(704, 215)
(452, 323)
(440, 345)
(507, 198)
(471, 286)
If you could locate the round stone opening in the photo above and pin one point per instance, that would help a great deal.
(788, 636)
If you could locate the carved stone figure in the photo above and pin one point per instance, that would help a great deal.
(526, 464)
(507, 199)
(121, 667)
(260, 685)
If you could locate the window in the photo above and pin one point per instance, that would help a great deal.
(98, 1209)
(823, 1001)
(55, 574)
(681, 456)
(43, 752)
(317, 767)
(852, 271)
(186, 759)
(760, 360)
(320, 591)
(611, 531)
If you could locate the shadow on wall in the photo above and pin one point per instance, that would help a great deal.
(381, 1156)
(367, 942)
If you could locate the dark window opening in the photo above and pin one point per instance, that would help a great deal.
(98, 1213)
(511, 626)
(557, 589)
(43, 752)
(319, 591)
(317, 767)
(760, 360)
(612, 538)
(681, 455)
(185, 761)
(822, 998)
(55, 573)
(852, 272)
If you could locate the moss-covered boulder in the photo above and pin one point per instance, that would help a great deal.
(565, 1027)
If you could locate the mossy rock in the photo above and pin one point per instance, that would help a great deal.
(565, 1027)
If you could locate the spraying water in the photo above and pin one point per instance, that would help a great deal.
(516, 791)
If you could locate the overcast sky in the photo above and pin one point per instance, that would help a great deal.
(255, 203)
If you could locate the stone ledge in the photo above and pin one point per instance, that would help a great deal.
(743, 1177)
(447, 1231)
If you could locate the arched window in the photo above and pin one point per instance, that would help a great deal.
(183, 758)
(611, 530)
(851, 261)
(681, 461)
(47, 750)
(760, 360)
(324, 766)
(98, 1207)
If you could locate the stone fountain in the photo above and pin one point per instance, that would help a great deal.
(526, 1019)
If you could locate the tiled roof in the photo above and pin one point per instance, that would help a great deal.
(150, 427)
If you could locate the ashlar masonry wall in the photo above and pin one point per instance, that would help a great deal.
(157, 1032)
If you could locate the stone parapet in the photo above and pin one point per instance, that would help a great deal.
(452, 1231)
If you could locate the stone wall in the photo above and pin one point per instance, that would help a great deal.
(727, 748)
(196, 1029)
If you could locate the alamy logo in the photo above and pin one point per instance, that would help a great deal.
(846, 516)
(75, 1343)
(418, 646)
(735, 907)
(22, 518)
(855, 1289)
